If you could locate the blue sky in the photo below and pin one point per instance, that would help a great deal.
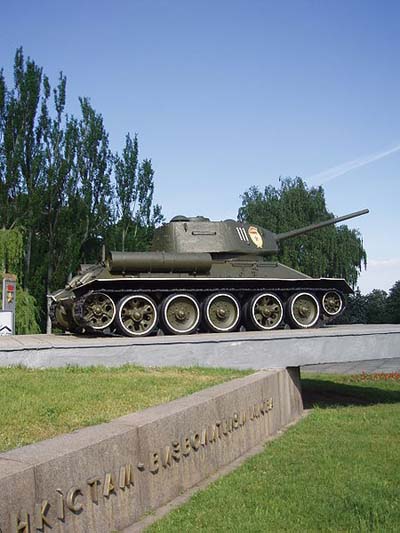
(229, 94)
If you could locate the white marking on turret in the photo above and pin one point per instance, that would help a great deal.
(246, 238)
(239, 233)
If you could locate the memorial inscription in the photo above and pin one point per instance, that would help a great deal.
(107, 477)
(77, 498)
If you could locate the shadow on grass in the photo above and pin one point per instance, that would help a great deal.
(325, 394)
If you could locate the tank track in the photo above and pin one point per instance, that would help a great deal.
(140, 313)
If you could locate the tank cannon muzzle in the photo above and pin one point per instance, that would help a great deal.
(312, 227)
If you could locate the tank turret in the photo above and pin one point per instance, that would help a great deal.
(200, 275)
(199, 234)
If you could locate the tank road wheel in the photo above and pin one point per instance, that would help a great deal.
(332, 303)
(180, 313)
(303, 310)
(136, 315)
(265, 311)
(95, 311)
(221, 312)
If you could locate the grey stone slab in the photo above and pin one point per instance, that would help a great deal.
(253, 349)
(79, 483)
(17, 483)
(62, 468)
(369, 367)
(187, 423)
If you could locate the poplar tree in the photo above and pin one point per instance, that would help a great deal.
(27, 112)
(94, 166)
(134, 198)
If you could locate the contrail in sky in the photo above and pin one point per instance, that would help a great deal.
(334, 172)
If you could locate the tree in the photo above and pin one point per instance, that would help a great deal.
(134, 197)
(57, 202)
(94, 165)
(356, 310)
(327, 252)
(9, 158)
(393, 304)
(60, 184)
(376, 307)
(27, 113)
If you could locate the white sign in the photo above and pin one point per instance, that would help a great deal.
(6, 323)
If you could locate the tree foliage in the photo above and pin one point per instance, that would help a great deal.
(58, 201)
(376, 307)
(328, 252)
(393, 304)
(134, 195)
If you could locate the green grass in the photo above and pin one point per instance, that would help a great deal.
(338, 470)
(39, 404)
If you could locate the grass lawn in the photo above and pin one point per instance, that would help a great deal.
(39, 404)
(338, 470)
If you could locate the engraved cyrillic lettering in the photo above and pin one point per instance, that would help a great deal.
(251, 413)
(109, 485)
(40, 514)
(195, 441)
(94, 488)
(166, 457)
(71, 500)
(186, 446)
(212, 433)
(204, 437)
(176, 450)
(243, 418)
(154, 463)
(126, 476)
(235, 421)
(227, 426)
(60, 507)
(21, 522)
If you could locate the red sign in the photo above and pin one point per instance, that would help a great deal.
(10, 288)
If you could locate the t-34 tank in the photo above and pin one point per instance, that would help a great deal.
(201, 275)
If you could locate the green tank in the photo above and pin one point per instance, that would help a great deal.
(201, 275)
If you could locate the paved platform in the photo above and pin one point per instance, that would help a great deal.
(252, 349)
(385, 366)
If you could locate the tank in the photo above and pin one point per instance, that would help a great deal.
(200, 276)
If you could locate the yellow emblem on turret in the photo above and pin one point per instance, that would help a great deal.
(255, 236)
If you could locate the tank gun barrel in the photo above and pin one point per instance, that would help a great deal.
(312, 227)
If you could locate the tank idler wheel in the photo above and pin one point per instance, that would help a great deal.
(265, 311)
(332, 303)
(221, 312)
(59, 316)
(95, 311)
(137, 315)
(180, 314)
(303, 310)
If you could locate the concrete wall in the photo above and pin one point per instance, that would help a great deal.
(104, 478)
